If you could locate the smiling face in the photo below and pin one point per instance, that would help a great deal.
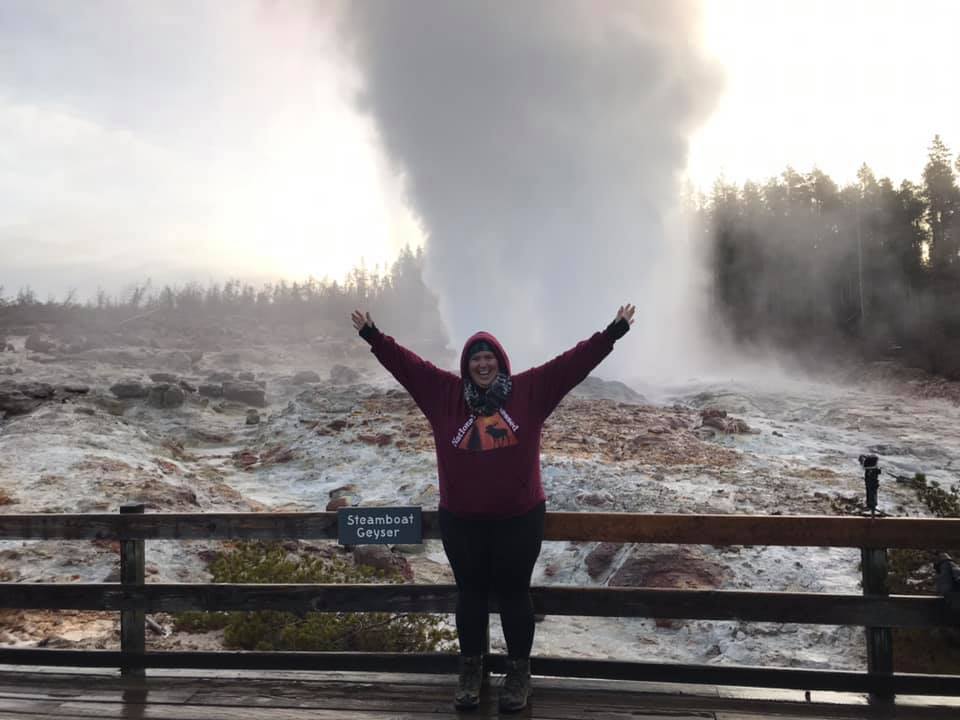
(483, 368)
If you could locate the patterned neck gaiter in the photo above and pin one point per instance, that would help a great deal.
(487, 402)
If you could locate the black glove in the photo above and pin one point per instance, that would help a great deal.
(369, 332)
(617, 329)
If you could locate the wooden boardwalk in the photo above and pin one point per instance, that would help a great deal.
(45, 693)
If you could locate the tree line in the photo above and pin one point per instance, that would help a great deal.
(801, 263)
(397, 297)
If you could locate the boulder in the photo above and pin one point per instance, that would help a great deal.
(337, 503)
(305, 376)
(601, 558)
(15, 402)
(253, 417)
(718, 419)
(381, 558)
(684, 569)
(343, 375)
(166, 395)
(129, 389)
(344, 491)
(249, 393)
(37, 390)
(162, 377)
(220, 376)
(188, 386)
(249, 376)
(211, 390)
(39, 343)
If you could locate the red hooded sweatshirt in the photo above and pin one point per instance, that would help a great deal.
(489, 466)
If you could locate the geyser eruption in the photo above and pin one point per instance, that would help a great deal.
(541, 144)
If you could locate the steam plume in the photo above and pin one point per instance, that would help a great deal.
(541, 144)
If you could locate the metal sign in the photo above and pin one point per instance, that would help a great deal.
(379, 526)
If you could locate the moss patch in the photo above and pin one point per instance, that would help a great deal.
(260, 562)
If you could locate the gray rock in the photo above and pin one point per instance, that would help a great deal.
(76, 389)
(15, 402)
(210, 390)
(249, 393)
(188, 386)
(38, 343)
(38, 390)
(129, 389)
(246, 376)
(593, 388)
(162, 377)
(253, 417)
(305, 376)
(83, 410)
(219, 376)
(166, 395)
(343, 375)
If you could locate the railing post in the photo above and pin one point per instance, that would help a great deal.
(879, 640)
(485, 651)
(132, 622)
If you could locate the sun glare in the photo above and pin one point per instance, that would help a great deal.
(827, 84)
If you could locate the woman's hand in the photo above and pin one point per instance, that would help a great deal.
(360, 319)
(626, 313)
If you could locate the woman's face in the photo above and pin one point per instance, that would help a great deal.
(483, 368)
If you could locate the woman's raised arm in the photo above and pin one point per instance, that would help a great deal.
(551, 381)
(426, 383)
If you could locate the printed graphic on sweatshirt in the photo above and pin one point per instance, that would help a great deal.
(487, 432)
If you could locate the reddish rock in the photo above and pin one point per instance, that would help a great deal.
(380, 440)
(601, 558)
(338, 502)
(683, 568)
(344, 490)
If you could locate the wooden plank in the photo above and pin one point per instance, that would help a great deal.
(132, 619)
(785, 530)
(558, 667)
(818, 608)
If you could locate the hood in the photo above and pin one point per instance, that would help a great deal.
(498, 350)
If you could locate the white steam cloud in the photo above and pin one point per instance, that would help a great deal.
(541, 145)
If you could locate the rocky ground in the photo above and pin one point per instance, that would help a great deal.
(318, 425)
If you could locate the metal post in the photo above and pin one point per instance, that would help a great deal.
(132, 621)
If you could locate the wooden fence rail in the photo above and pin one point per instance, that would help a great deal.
(132, 597)
(780, 530)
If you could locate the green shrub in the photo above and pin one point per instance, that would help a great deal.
(260, 562)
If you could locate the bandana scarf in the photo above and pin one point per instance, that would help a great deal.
(487, 402)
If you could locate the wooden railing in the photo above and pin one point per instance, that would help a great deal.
(132, 597)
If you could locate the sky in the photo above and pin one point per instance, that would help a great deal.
(203, 139)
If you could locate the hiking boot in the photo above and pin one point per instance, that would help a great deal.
(516, 686)
(468, 686)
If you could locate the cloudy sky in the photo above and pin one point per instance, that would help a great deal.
(196, 140)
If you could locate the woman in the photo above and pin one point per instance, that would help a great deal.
(486, 426)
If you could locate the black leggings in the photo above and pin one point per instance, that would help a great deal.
(493, 555)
